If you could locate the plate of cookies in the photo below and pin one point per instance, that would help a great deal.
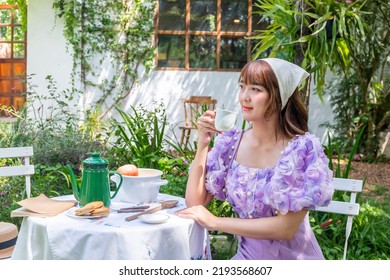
(92, 210)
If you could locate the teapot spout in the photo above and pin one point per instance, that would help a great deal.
(75, 186)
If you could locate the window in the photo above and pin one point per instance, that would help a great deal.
(205, 34)
(12, 58)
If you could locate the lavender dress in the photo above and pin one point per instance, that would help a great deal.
(300, 179)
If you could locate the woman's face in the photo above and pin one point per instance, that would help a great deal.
(254, 101)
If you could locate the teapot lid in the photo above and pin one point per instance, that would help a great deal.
(95, 161)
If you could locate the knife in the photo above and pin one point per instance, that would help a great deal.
(138, 208)
(164, 205)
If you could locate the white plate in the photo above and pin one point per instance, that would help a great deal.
(154, 218)
(71, 213)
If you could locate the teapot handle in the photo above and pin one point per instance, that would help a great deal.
(118, 185)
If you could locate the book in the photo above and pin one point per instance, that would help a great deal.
(42, 206)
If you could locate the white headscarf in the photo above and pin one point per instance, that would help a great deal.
(289, 76)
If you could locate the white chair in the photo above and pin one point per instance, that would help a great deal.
(9, 231)
(24, 169)
(350, 208)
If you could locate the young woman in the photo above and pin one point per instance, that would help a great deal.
(271, 173)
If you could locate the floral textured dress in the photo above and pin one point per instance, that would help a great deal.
(300, 179)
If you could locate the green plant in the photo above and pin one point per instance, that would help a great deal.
(139, 139)
(188, 152)
(175, 171)
(7, 133)
(176, 185)
(21, 6)
(333, 147)
(351, 40)
(11, 190)
(48, 123)
(9, 193)
(355, 107)
(52, 180)
(368, 87)
(223, 247)
(310, 33)
(116, 33)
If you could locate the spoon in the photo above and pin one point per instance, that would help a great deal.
(164, 205)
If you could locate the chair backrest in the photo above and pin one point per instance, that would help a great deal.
(349, 208)
(194, 106)
(24, 169)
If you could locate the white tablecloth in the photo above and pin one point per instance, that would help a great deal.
(112, 238)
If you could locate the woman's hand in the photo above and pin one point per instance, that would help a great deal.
(200, 215)
(206, 127)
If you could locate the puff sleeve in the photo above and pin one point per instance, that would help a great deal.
(218, 163)
(302, 178)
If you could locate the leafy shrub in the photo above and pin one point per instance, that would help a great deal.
(70, 146)
(50, 126)
(139, 138)
(10, 192)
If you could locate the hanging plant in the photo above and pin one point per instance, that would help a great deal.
(115, 34)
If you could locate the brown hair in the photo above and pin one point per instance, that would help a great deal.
(292, 120)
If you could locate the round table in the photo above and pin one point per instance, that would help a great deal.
(64, 237)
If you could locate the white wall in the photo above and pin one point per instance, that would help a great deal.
(47, 55)
(320, 113)
(46, 52)
(172, 86)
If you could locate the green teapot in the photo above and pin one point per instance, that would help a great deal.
(95, 184)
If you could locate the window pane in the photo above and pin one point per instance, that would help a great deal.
(17, 16)
(257, 23)
(18, 50)
(5, 16)
(203, 15)
(233, 52)
(18, 33)
(171, 51)
(5, 50)
(5, 33)
(203, 52)
(172, 15)
(234, 16)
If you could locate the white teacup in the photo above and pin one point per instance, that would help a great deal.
(225, 119)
